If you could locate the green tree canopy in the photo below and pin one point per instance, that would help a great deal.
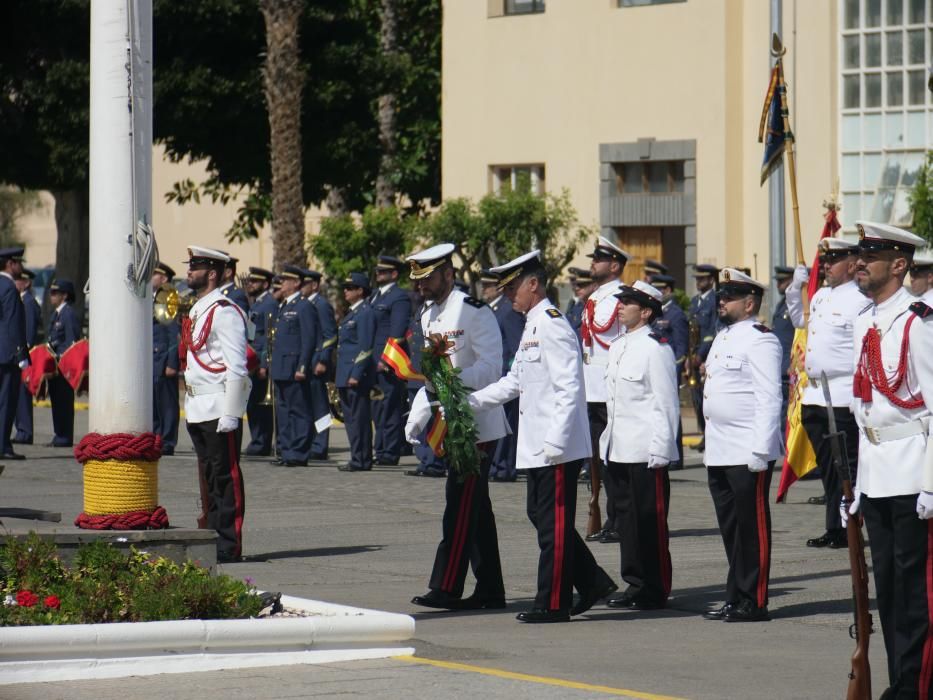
(921, 201)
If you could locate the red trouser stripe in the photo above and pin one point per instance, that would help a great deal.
(762, 540)
(661, 514)
(926, 667)
(559, 536)
(238, 499)
(460, 532)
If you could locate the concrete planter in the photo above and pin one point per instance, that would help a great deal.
(75, 652)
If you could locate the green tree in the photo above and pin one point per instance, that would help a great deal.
(921, 201)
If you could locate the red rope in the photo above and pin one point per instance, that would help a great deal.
(137, 520)
(870, 371)
(119, 446)
(590, 328)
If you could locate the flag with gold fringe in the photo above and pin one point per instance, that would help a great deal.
(772, 129)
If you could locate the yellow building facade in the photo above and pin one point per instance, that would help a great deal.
(648, 112)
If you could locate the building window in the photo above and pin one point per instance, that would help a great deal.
(649, 177)
(886, 116)
(639, 3)
(523, 7)
(517, 178)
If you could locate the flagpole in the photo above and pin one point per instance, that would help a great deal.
(776, 209)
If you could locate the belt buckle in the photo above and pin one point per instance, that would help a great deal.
(873, 437)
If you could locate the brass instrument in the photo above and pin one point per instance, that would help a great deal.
(690, 366)
(168, 304)
(269, 398)
(333, 400)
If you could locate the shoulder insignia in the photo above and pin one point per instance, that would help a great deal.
(553, 313)
(658, 337)
(762, 328)
(921, 309)
(475, 303)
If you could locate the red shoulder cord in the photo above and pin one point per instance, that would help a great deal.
(589, 328)
(196, 345)
(870, 370)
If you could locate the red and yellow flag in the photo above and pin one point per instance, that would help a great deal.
(400, 362)
(436, 434)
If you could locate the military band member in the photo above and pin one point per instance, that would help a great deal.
(392, 306)
(921, 278)
(741, 402)
(296, 337)
(228, 287)
(893, 386)
(833, 311)
(263, 310)
(165, 409)
(703, 312)
(599, 328)
(639, 444)
(547, 380)
(469, 526)
(323, 362)
(14, 353)
(63, 332)
(356, 371)
(216, 390)
(33, 312)
(783, 329)
(511, 324)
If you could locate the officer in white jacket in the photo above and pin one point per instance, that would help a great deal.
(893, 390)
(833, 310)
(217, 388)
(742, 405)
(639, 443)
(553, 440)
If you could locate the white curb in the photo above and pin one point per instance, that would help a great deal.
(75, 652)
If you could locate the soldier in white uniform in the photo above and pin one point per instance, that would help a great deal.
(638, 445)
(599, 328)
(833, 310)
(469, 526)
(217, 387)
(547, 379)
(742, 405)
(893, 390)
(921, 278)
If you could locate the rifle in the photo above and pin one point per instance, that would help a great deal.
(595, 522)
(860, 673)
(691, 364)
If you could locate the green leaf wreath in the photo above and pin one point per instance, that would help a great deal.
(460, 441)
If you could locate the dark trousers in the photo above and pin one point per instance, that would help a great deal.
(504, 454)
(815, 421)
(219, 462)
(565, 562)
(260, 418)
(358, 419)
(469, 537)
(387, 417)
(320, 406)
(901, 546)
(10, 378)
(165, 411)
(643, 497)
(293, 414)
(741, 501)
(597, 415)
(696, 393)
(62, 397)
(24, 415)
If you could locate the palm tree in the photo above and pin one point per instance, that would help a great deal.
(388, 105)
(283, 81)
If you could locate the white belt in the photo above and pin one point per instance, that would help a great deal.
(896, 432)
(202, 389)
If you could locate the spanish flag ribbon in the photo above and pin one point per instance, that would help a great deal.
(436, 433)
(400, 362)
(799, 456)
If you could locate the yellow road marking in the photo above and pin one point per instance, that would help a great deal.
(544, 680)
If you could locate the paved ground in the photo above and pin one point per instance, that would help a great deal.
(368, 539)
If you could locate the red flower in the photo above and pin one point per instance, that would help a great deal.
(26, 599)
(52, 601)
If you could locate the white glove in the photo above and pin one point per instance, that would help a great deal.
(23, 364)
(227, 424)
(552, 454)
(655, 462)
(801, 275)
(925, 505)
(472, 402)
(846, 508)
(418, 416)
(757, 463)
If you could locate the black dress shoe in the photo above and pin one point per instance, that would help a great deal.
(350, 468)
(587, 601)
(719, 613)
(21, 441)
(839, 540)
(596, 536)
(438, 599)
(277, 462)
(415, 472)
(746, 611)
(317, 457)
(294, 463)
(610, 536)
(12, 456)
(624, 601)
(387, 461)
(822, 541)
(228, 558)
(817, 500)
(435, 472)
(476, 603)
(541, 615)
